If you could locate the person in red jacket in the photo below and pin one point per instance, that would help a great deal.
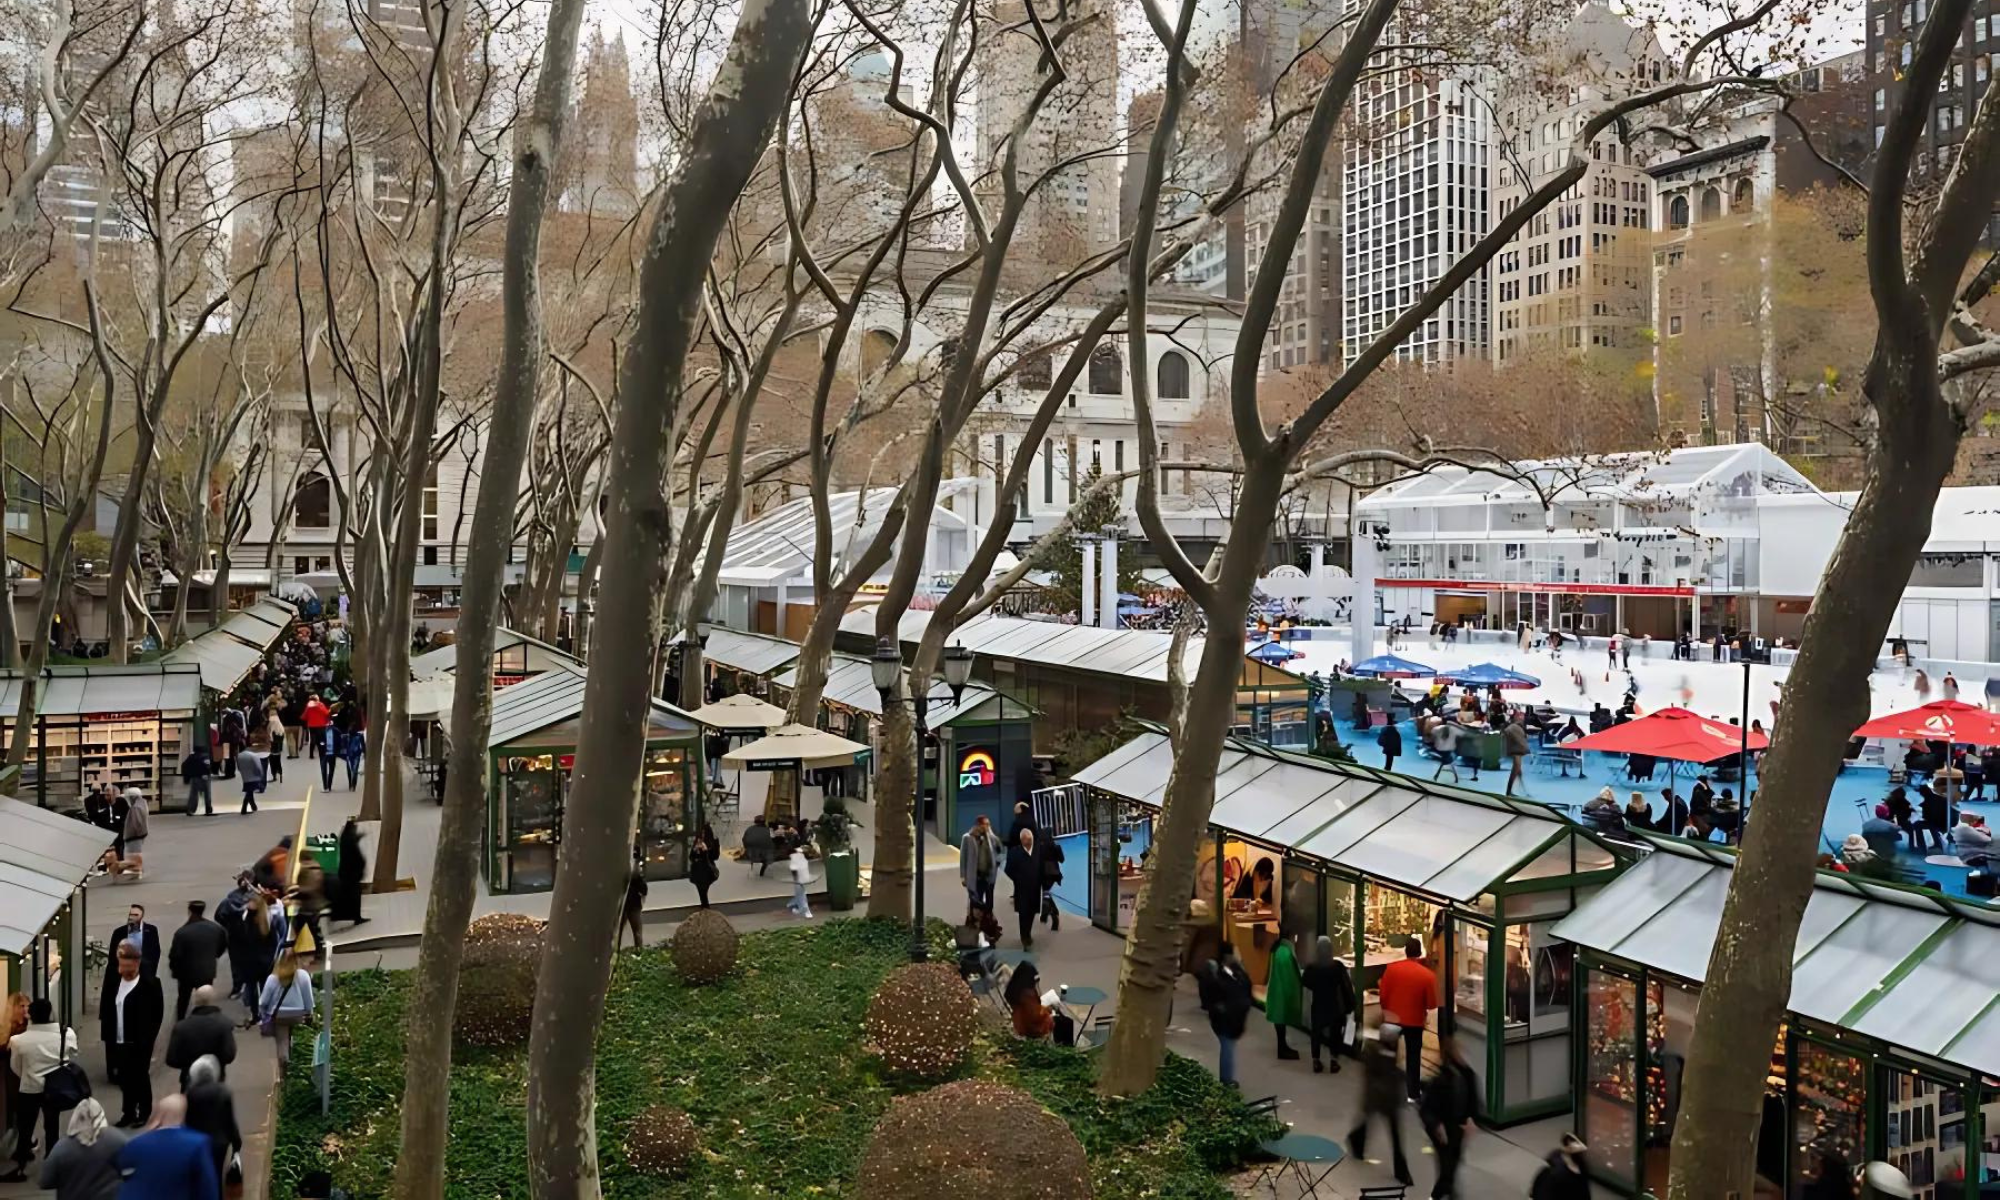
(316, 716)
(1409, 992)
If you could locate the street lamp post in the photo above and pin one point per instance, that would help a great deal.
(886, 666)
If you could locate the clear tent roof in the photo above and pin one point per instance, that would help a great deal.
(1126, 653)
(778, 545)
(1911, 969)
(850, 681)
(1452, 843)
(549, 699)
(444, 659)
(226, 654)
(170, 689)
(43, 857)
(751, 653)
(1746, 469)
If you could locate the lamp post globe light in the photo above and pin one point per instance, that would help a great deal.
(884, 667)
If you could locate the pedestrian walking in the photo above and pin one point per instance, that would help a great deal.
(1052, 876)
(635, 904)
(168, 1161)
(1611, 652)
(351, 752)
(130, 1011)
(197, 948)
(1225, 993)
(801, 876)
(1515, 739)
(137, 824)
(328, 740)
(1333, 1002)
(233, 914)
(1390, 740)
(144, 937)
(704, 855)
(1381, 1097)
(1409, 993)
(1283, 999)
(250, 767)
(206, 1031)
(84, 1164)
(308, 893)
(262, 933)
(980, 854)
(345, 896)
(1565, 1175)
(1450, 1107)
(1024, 870)
(32, 1054)
(315, 716)
(195, 771)
(285, 1003)
(212, 1113)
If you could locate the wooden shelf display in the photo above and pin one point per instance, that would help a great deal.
(139, 750)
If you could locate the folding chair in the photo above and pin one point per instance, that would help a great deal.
(1098, 1035)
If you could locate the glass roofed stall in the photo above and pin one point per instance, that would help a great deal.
(1889, 1051)
(1301, 848)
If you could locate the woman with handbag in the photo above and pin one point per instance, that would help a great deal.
(35, 1054)
(287, 1002)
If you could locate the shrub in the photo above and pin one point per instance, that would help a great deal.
(922, 1019)
(704, 947)
(972, 1140)
(496, 991)
(504, 927)
(662, 1141)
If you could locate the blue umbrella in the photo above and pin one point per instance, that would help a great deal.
(1486, 675)
(1388, 666)
(1275, 653)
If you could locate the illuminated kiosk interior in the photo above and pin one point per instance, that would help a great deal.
(1370, 860)
(536, 725)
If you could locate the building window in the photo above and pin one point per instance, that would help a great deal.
(1107, 372)
(1677, 213)
(1035, 373)
(431, 505)
(1711, 204)
(1745, 197)
(312, 504)
(1173, 376)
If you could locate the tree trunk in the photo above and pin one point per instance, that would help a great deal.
(455, 869)
(218, 589)
(374, 651)
(732, 126)
(125, 537)
(1159, 926)
(892, 874)
(1749, 978)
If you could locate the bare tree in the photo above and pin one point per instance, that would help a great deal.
(729, 132)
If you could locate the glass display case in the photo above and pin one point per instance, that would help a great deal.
(1610, 1117)
(664, 814)
(1829, 1103)
(1925, 1133)
(531, 822)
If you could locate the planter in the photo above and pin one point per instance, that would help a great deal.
(843, 880)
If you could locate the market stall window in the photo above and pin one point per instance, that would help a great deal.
(1925, 1133)
(1252, 904)
(1471, 944)
(1610, 1116)
(1830, 1100)
(1535, 1002)
(663, 818)
(533, 821)
(1989, 1138)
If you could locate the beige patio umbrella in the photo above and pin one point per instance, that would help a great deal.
(740, 714)
(794, 748)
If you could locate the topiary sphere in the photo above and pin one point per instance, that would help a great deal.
(972, 1140)
(922, 1019)
(704, 947)
(496, 992)
(504, 927)
(662, 1141)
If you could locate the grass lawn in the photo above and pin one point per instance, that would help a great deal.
(768, 1063)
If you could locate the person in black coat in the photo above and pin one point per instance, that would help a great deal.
(212, 1112)
(129, 1012)
(702, 859)
(1937, 818)
(1024, 818)
(1449, 1108)
(197, 947)
(205, 1030)
(1225, 993)
(1024, 867)
(353, 869)
(1052, 865)
(1391, 742)
(233, 915)
(146, 939)
(1332, 988)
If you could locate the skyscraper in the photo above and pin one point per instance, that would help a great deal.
(1074, 139)
(1893, 29)
(1576, 275)
(603, 170)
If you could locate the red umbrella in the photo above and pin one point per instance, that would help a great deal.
(1672, 733)
(1939, 721)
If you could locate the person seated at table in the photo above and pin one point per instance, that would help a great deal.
(1859, 859)
(1989, 767)
(1896, 808)
(759, 847)
(1569, 732)
(1700, 828)
(1936, 813)
(1725, 814)
(1881, 833)
(1033, 1018)
(1674, 814)
(1638, 814)
(1973, 840)
(1602, 813)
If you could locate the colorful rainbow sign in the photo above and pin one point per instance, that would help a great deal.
(975, 770)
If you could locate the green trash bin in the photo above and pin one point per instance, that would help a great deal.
(325, 848)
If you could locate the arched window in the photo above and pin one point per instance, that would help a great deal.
(1035, 373)
(312, 504)
(1107, 372)
(1711, 205)
(1745, 197)
(1173, 376)
(876, 347)
(1677, 213)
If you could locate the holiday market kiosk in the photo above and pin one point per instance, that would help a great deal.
(1891, 1048)
(123, 725)
(536, 724)
(1300, 847)
(44, 859)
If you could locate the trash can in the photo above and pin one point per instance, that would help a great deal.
(325, 848)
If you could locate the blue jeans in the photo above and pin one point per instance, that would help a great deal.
(1225, 1060)
(798, 904)
(326, 772)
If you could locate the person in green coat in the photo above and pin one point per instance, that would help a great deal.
(1284, 1000)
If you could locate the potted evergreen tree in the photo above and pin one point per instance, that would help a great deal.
(835, 833)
